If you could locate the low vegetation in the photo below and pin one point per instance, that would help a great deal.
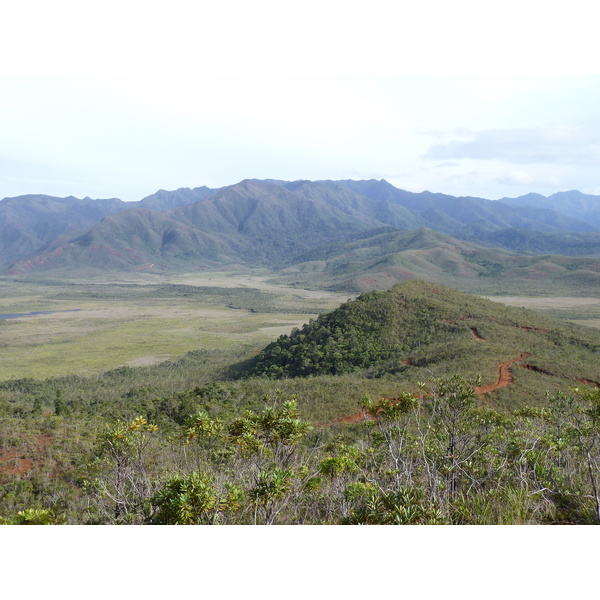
(384, 410)
(432, 458)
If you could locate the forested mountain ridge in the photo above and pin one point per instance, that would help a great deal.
(264, 223)
(252, 223)
(28, 224)
(585, 206)
(387, 257)
(471, 210)
(164, 200)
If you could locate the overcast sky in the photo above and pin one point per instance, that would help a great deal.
(120, 99)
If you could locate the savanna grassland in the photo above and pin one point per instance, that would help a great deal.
(104, 323)
(580, 310)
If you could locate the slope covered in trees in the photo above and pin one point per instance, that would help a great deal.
(418, 328)
(387, 257)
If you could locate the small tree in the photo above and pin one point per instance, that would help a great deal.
(60, 407)
(194, 499)
(450, 437)
(268, 442)
(124, 446)
(586, 435)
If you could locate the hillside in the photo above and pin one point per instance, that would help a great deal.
(471, 210)
(277, 224)
(252, 223)
(135, 239)
(28, 223)
(385, 258)
(381, 211)
(164, 200)
(417, 330)
(535, 242)
(585, 206)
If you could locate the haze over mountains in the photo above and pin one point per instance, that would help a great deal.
(328, 227)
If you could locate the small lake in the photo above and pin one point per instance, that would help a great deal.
(32, 314)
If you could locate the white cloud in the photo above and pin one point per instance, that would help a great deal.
(554, 144)
(531, 179)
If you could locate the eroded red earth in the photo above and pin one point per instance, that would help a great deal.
(14, 462)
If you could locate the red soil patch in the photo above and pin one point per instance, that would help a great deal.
(476, 335)
(504, 376)
(12, 462)
(588, 381)
(355, 418)
(536, 369)
(358, 417)
(473, 329)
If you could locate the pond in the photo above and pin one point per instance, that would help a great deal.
(32, 314)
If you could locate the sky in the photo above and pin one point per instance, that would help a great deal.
(121, 99)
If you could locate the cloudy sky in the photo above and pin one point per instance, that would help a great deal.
(120, 99)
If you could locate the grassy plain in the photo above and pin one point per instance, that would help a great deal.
(104, 323)
(582, 311)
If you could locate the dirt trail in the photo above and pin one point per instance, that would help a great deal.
(358, 417)
(504, 379)
(589, 382)
(504, 376)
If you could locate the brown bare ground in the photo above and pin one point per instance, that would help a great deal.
(504, 376)
(13, 463)
(476, 335)
(589, 382)
(536, 369)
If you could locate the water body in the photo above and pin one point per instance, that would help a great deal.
(32, 314)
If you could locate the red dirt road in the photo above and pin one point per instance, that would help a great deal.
(504, 380)
(504, 376)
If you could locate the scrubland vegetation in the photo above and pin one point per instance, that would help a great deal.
(371, 413)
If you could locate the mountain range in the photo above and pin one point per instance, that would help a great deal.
(348, 232)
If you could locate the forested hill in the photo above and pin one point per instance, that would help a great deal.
(417, 329)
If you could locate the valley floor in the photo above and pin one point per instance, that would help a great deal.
(106, 323)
